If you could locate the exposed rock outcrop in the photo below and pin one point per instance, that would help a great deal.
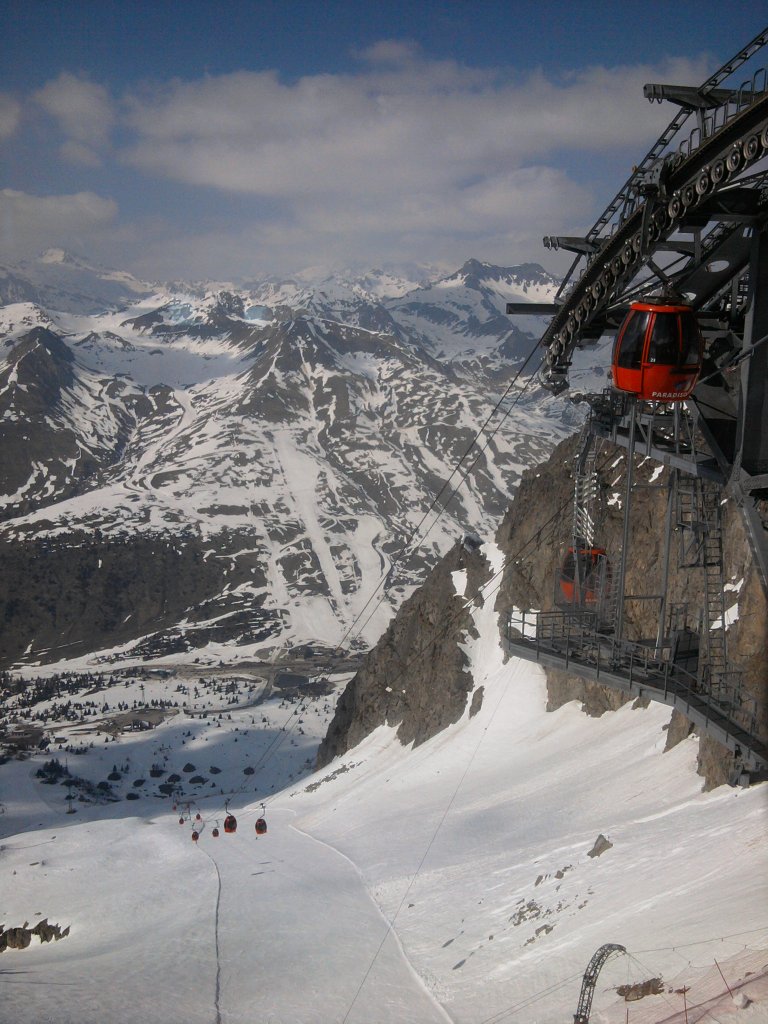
(415, 678)
(21, 937)
(601, 845)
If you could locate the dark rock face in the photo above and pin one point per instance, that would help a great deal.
(416, 677)
(641, 989)
(537, 530)
(82, 590)
(21, 938)
(601, 845)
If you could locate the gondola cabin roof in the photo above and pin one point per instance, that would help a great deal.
(657, 353)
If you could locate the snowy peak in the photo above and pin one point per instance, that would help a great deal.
(462, 317)
(476, 274)
(58, 280)
(62, 257)
(299, 430)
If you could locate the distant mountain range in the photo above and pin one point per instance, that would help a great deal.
(258, 456)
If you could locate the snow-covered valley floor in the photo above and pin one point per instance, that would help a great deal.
(449, 882)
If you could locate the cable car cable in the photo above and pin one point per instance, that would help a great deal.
(536, 539)
(530, 1000)
(430, 844)
(404, 547)
(464, 477)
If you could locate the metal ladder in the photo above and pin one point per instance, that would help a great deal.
(586, 491)
(712, 556)
(699, 517)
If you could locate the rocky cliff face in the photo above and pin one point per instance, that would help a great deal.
(415, 677)
(542, 508)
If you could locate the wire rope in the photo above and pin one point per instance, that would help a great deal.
(515, 1008)
(702, 942)
(464, 477)
(430, 844)
(414, 533)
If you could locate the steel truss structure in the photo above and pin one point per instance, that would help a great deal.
(692, 217)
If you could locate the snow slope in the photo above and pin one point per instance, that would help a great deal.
(452, 881)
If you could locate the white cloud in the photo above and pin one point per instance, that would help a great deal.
(85, 114)
(10, 114)
(31, 223)
(401, 158)
(399, 124)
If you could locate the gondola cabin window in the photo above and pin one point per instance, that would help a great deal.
(630, 341)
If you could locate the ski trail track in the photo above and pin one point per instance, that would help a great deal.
(330, 929)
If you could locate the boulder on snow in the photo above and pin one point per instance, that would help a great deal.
(601, 845)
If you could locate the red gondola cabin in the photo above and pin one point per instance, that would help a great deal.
(587, 567)
(657, 353)
(261, 826)
(230, 823)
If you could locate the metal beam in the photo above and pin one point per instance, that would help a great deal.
(573, 243)
(532, 308)
(688, 97)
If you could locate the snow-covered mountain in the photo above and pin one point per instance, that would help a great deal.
(70, 283)
(289, 438)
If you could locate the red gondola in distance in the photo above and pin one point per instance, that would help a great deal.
(586, 564)
(230, 823)
(215, 833)
(195, 836)
(261, 826)
(658, 351)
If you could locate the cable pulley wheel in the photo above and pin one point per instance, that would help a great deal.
(689, 195)
(734, 159)
(764, 137)
(751, 147)
(704, 181)
(675, 207)
(718, 172)
(660, 218)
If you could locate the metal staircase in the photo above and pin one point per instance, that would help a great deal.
(700, 520)
(712, 556)
(586, 491)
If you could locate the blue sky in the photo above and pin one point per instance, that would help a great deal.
(233, 140)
